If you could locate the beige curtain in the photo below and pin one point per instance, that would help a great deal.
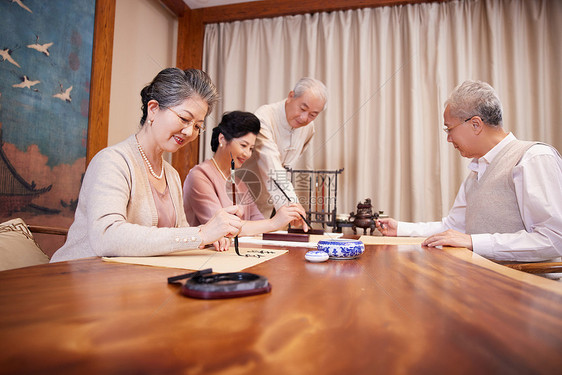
(389, 70)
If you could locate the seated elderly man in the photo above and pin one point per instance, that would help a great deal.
(509, 208)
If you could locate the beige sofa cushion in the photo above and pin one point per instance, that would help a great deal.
(17, 246)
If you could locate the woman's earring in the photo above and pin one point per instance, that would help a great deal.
(150, 122)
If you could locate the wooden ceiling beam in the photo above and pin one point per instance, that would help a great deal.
(277, 8)
(178, 7)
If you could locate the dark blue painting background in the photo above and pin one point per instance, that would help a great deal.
(33, 115)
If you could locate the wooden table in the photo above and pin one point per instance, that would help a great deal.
(395, 310)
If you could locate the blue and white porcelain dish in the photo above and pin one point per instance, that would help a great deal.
(316, 256)
(342, 248)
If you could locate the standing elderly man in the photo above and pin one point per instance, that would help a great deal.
(509, 208)
(286, 130)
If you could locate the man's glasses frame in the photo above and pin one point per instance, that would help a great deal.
(448, 129)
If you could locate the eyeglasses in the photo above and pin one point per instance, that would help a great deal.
(448, 129)
(197, 125)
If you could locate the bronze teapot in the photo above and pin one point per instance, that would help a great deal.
(364, 217)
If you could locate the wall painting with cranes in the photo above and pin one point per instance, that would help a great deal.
(45, 66)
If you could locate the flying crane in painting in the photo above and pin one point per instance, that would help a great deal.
(41, 47)
(21, 4)
(64, 95)
(26, 83)
(7, 56)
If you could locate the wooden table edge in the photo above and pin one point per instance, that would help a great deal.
(538, 281)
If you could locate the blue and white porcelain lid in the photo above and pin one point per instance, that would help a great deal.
(316, 256)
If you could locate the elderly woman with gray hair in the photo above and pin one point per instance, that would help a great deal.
(130, 202)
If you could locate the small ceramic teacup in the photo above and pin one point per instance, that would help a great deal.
(342, 248)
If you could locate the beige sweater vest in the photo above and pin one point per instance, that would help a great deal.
(491, 204)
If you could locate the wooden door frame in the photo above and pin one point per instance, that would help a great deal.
(100, 81)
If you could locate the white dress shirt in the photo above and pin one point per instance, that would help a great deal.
(538, 187)
(278, 145)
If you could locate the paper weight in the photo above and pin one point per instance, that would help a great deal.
(225, 285)
(316, 256)
(342, 248)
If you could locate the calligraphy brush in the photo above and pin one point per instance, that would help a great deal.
(289, 199)
(233, 198)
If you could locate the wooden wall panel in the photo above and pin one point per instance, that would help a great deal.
(189, 55)
(100, 82)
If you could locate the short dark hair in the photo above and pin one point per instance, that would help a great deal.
(172, 86)
(235, 124)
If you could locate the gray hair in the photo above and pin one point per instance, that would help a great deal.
(172, 86)
(476, 98)
(316, 87)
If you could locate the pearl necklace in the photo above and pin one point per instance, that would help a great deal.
(148, 163)
(216, 165)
